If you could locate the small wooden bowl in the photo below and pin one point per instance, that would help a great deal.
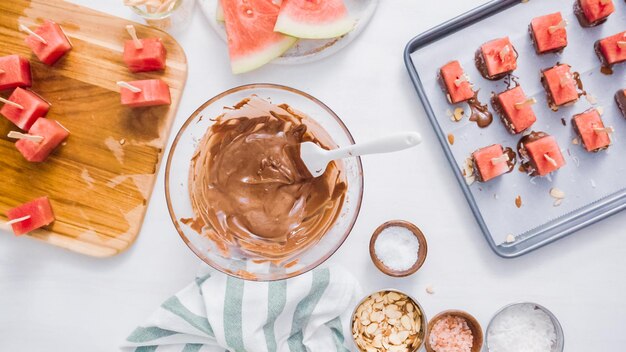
(472, 323)
(421, 254)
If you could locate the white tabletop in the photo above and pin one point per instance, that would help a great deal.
(55, 300)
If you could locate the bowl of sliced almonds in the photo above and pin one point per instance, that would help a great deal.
(388, 320)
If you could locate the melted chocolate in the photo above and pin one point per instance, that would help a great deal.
(479, 112)
(248, 183)
(526, 163)
(620, 99)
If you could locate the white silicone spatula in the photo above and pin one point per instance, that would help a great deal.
(316, 159)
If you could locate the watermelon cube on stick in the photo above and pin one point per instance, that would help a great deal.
(48, 42)
(14, 72)
(143, 55)
(147, 92)
(591, 130)
(30, 216)
(41, 140)
(515, 109)
(560, 85)
(24, 107)
(491, 162)
(548, 33)
(545, 155)
(252, 41)
(314, 19)
(593, 12)
(496, 58)
(456, 82)
(612, 50)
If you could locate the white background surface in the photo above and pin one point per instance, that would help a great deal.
(54, 300)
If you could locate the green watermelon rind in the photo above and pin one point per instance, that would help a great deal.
(253, 61)
(294, 28)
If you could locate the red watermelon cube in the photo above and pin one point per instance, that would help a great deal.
(14, 72)
(486, 165)
(456, 82)
(56, 44)
(590, 129)
(515, 112)
(612, 50)
(547, 33)
(53, 134)
(33, 107)
(560, 85)
(151, 57)
(39, 212)
(496, 58)
(620, 98)
(545, 155)
(593, 12)
(153, 92)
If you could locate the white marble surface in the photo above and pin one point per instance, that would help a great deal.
(54, 300)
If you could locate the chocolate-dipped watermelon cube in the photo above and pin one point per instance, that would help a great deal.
(492, 161)
(14, 72)
(612, 50)
(38, 151)
(515, 109)
(548, 33)
(456, 82)
(560, 85)
(150, 92)
(593, 12)
(30, 216)
(540, 154)
(27, 108)
(620, 99)
(150, 57)
(54, 45)
(590, 128)
(497, 58)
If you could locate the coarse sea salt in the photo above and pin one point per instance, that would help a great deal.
(451, 334)
(396, 247)
(520, 328)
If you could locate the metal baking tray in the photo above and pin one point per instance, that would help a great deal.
(540, 222)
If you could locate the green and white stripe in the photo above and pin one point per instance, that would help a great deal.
(217, 313)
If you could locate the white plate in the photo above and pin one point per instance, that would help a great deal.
(307, 50)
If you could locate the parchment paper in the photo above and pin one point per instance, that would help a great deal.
(586, 177)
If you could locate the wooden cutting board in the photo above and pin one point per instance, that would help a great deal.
(99, 182)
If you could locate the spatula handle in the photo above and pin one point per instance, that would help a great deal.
(385, 144)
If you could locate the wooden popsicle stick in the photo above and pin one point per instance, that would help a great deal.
(23, 28)
(565, 80)
(20, 135)
(599, 130)
(12, 103)
(527, 102)
(128, 86)
(504, 52)
(15, 221)
(621, 44)
(604, 2)
(555, 28)
(501, 159)
(1, 71)
(460, 80)
(133, 34)
(550, 160)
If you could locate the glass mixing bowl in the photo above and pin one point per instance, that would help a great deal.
(177, 185)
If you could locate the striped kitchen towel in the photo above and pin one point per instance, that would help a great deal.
(217, 312)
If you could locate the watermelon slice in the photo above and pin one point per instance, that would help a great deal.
(30, 216)
(252, 41)
(314, 19)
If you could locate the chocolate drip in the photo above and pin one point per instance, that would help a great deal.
(479, 112)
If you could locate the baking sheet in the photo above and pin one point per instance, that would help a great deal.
(587, 178)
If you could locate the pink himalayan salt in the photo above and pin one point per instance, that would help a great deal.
(451, 334)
